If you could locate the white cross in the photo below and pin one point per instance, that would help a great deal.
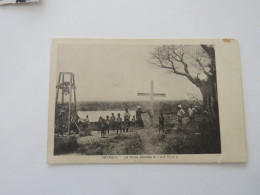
(152, 94)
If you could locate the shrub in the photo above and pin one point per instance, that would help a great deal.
(63, 145)
(204, 141)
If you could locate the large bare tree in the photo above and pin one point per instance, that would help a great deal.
(197, 65)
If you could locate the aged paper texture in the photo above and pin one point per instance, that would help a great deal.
(145, 101)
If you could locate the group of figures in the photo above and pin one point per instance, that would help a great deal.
(180, 115)
(117, 123)
(191, 114)
(120, 125)
(126, 122)
(82, 125)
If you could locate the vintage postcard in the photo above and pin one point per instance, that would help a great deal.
(2, 2)
(145, 101)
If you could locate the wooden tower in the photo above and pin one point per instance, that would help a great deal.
(65, 104)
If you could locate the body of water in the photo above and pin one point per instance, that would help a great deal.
(94, 115)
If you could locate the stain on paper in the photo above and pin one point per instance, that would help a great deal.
(227, 40)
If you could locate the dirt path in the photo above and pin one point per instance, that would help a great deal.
(146, 137)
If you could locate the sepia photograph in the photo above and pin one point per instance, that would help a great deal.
(136, 99)
(129, 97)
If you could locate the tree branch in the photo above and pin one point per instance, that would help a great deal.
(165, 57)
(176, 71)
(191, 96)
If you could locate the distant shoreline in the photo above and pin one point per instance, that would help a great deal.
(123, 101)
(165, 105)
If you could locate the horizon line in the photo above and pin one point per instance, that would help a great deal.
(134, 100)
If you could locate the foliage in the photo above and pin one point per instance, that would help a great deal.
(164, 106)
(204, 141)
(63, 145)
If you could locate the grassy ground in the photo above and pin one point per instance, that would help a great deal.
(117, 145)
(63, 145)
(198, 139)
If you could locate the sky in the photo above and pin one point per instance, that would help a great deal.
(119, 72)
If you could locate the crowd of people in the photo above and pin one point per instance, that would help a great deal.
(121, 123)
(127, 122)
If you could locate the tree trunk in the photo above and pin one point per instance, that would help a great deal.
(203, 89)
(210, 99)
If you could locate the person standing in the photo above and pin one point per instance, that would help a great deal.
(86, 121)
(139, 120)
(161, 122)
(192, 111)
(112, 122)
(119, 123)
(127, 116)
(101, 126)
(180, 115)
(107, 125)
